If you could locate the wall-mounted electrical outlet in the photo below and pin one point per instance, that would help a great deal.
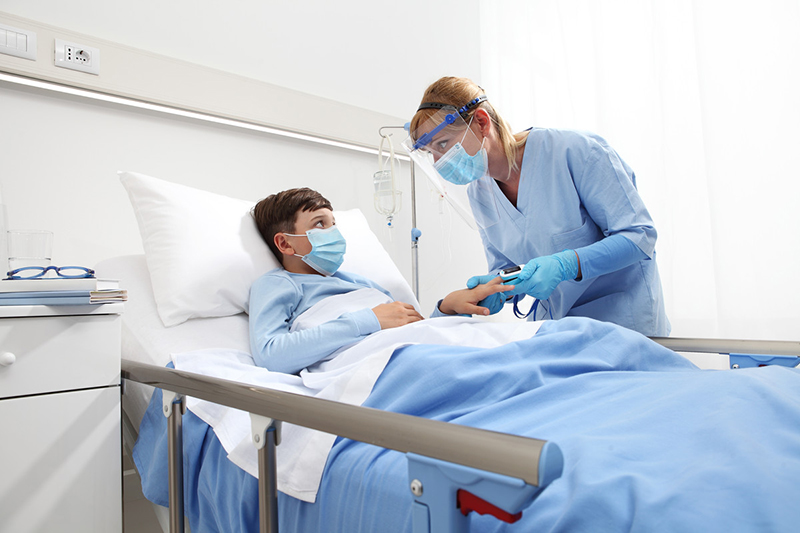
(77, 57)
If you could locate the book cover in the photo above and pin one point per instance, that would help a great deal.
(63, 297)
(43, 294)
(65, 300)
(57, 284)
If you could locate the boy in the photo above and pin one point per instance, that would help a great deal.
(299, 228)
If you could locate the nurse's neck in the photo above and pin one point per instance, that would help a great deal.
(510, 188)
(510, 185)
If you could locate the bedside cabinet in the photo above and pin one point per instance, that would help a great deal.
(60, 432)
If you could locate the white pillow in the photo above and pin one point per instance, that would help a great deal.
(203, 250)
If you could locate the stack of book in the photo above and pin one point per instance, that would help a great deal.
(60, 291)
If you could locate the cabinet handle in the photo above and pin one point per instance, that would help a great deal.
(7, 359)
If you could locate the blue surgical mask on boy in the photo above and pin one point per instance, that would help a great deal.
(460, 168)
(327, 249)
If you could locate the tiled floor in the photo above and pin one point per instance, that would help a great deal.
(138, 513)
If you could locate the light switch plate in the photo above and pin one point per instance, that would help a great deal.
(17, 42)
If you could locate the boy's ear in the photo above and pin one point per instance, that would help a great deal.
(282, 243)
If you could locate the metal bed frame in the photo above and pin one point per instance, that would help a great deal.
(536, 462)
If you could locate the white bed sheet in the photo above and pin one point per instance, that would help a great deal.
(146, 340)
(212, 346)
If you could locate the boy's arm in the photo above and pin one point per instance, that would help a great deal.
(272, 302)
(483, 299)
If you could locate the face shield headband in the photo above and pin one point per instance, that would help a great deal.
(448, 119)
(444, 146)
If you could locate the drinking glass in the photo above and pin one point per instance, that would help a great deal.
(29, 248)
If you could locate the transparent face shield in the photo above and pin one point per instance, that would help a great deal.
(453, 159)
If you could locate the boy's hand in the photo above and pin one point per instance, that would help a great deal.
(465, 301)
(396, 314)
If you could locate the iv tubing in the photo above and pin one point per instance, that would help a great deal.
(415, 233)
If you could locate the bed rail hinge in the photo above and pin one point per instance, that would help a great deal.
(259, 425)
(169, 398)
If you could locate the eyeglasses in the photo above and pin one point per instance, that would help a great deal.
(33, 272)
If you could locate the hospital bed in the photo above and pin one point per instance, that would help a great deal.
(649, 442)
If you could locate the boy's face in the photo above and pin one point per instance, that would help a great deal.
(307, 220)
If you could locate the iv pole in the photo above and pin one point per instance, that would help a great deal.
(415, 232)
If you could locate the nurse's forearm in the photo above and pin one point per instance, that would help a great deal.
(613, 253)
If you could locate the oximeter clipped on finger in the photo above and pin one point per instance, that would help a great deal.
(510, 273)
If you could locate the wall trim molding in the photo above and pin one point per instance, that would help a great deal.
(138, 77)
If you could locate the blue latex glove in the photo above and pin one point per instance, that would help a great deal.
(474, 281)
(540, 277)
(495, 302)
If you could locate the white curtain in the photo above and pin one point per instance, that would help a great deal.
(702, 99)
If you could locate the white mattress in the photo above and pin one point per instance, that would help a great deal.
(146, 340)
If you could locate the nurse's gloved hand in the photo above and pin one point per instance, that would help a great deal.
(540, 277)
(494, 303)
(474, 281)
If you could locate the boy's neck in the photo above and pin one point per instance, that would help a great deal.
(296, 265)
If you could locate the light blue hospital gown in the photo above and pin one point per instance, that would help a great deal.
(575, 190)
(278, 297)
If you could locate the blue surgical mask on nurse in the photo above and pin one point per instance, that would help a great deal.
(460, 168)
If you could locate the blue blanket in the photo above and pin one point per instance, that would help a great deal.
(650, 442)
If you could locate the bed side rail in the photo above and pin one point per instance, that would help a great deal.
(500, 453)
(727, 346)
(741, 353)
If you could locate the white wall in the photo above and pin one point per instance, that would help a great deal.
(380, 56)
(58, 172)
(700, 98)
(376, 55)
(59, 154)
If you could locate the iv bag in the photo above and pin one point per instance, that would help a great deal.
(388, 199)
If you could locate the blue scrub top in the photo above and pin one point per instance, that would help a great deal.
(575, 190)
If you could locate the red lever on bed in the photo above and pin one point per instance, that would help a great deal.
(467, 502)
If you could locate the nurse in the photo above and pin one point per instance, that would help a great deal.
(561, 203)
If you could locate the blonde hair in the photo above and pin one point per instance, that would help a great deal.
(459, 91)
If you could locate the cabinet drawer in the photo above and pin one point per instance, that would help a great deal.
(59, 353)
(61, 463)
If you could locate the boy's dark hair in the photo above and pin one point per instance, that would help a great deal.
(277, 213)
